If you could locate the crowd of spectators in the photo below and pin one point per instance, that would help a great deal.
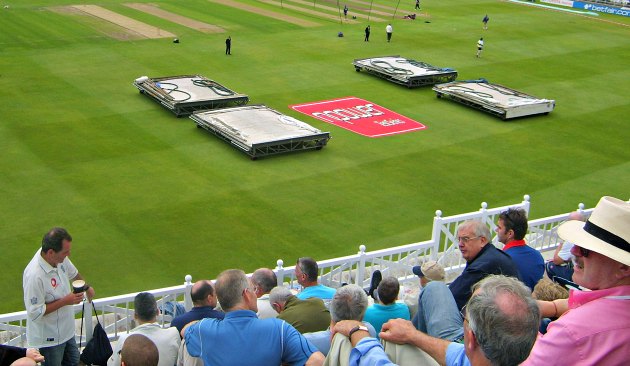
(486, 316)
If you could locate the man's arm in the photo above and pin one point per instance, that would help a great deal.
(316, 359)
(69, 299)
(556, 259)
(404, 332)
(553, 309)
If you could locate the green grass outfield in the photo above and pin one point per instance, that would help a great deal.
(150, 198)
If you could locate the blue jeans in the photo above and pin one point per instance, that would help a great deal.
(554, 270)
(66, 354)
(438, 315)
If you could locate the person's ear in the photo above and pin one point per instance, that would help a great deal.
(470, 341)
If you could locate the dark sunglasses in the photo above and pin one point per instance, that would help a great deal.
(583, 252)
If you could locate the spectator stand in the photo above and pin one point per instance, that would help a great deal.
(117, 312)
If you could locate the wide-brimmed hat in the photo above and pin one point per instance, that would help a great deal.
(431, 270)
(606, 232)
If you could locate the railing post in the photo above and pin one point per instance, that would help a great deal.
(526, 203)
(187, 297)
(87, 320)
(436, 234)
(279, 272)
(360, 266)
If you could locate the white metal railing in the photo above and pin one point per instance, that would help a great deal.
(116, 313)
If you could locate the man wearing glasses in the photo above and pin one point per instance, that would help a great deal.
(435, 316)
(482, 259)
(595, 330)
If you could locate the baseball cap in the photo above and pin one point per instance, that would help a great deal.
(431, 270)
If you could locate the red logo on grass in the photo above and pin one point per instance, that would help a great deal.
(359, 116)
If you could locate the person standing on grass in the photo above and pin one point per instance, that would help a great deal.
(228, 45)
(389, 31)
(485, 21)
(417, 4)
(367, 34)
(479, 47)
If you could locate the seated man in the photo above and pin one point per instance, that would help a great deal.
(139, 350)
(562, 264)
(204, 301)
(387, 294)
(264, 280)
(241, 339)
(596, 330)
(145, 314)
(500, 327)
(310, 315)
(437, 313)
(349, 303)
(511, 230)
(482, 259)
(307, 274)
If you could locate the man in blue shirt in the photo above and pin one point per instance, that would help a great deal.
(204, 300)
(241, 339)
(306, 274)
(500, 327)
(511, 229)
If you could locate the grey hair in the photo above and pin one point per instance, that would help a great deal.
(230, 286)
(279, 294)
(349, 303)
(479, 228)
(504, 318)
(265, 278)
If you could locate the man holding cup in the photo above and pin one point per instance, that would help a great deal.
(52, 285)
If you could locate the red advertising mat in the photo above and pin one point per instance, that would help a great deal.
(359, 116)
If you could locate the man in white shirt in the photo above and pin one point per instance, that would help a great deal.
(48, 297)
(166, 340)
(389, 31)
(561, 265)
(479, 46)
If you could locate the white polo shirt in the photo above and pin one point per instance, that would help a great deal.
(44, 284)
(167, 341)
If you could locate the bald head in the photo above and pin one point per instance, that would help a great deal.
(138, 350)
(202, 294)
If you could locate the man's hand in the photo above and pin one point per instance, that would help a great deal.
(72, 298)
(34, 354)
(344, 327)
(398, 331)
(90, 293)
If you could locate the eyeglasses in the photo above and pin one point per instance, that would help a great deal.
(583, 252)
(465, 239)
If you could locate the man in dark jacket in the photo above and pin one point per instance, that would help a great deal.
(482, 259)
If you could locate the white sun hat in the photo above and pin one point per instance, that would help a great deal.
(606, 232)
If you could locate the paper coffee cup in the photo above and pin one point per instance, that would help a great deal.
(78, 286)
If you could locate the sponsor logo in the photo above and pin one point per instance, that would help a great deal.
(33, 300)
(359, 116)
(53, 282)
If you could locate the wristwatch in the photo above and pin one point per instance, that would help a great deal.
(357, 328)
